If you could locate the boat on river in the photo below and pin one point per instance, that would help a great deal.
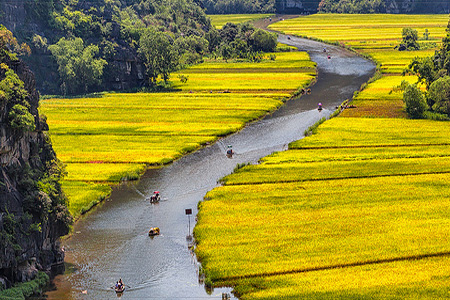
(119, 290)
(154, 231)
(156, 197)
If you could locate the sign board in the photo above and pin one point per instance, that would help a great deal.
(188, 211)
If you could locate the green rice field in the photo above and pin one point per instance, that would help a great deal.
(358, 210)
(219, 20)
(117, 136)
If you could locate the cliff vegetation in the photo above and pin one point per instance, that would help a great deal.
(33, 213)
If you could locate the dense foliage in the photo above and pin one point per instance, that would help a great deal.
(238, 6)
(38, 178)
(382, 6)
(92, 40)
(78, 68)
(25, 290)
(434, 73)
(352, 6)
(96, 44)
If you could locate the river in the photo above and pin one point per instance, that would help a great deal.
(111, 242)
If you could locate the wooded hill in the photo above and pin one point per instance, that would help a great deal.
(112, 27)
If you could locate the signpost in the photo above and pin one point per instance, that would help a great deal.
(189, 213)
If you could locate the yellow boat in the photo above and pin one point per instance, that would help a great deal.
(153, 231)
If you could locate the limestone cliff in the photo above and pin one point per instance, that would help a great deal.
(33, 214)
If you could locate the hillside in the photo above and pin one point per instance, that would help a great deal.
(113, 27)
(33, 214)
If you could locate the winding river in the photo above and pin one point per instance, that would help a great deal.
(112, 241)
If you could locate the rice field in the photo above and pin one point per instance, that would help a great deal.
(219, 20)
(341, 204)
(358, 210)
(116, 136)
(282, 74)
(375, 34)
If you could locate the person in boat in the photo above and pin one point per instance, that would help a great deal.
(230, 151)
(155, 196)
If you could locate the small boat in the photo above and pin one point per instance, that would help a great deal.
(155, 198)
(230, 151)
(153, 231)
(119, 289)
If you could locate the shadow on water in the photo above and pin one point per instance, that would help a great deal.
(113, 241)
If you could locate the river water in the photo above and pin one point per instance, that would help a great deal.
(112, 241)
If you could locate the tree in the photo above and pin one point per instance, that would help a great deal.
(424, 68)
(159, 54)
(20, 118)
(261, 40)
(439, 95)
(414, 101)
(78, 68)
(410, 37)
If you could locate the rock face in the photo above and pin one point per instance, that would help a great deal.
(32, 213)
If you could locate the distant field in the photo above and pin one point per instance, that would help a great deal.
(358, 210)
(282, 74)
(219, 20)
(106, 139)
(374, 35)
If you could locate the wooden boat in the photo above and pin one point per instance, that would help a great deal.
(120, 290)
(155, 198)
(153, 231)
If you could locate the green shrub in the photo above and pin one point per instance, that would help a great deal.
(27, 289)
(21, 118)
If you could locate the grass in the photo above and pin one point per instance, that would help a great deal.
(219, 20)
(116, 136)
(358, 210)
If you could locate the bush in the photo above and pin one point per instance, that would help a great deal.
(27, 289)
(415, 102)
